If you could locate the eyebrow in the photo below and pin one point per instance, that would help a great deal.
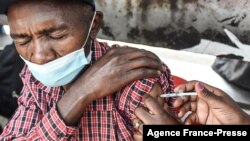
(52, 29)
(44, 31)
(18, 35)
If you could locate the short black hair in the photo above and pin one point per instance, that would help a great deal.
(6, 3)
(80, 2)
(84, 10)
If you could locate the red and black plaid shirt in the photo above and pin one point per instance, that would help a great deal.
(108, 118)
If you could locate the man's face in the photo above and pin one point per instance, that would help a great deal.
(43, 32)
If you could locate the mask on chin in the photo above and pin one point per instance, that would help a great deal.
(64, 70)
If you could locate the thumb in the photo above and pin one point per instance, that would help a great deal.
(209, 97)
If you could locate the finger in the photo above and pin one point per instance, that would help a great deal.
(184, 99)
(160, 101)
(186, 87)
(142, 62)
(156, 92)
(153, 105)
(118, 50)
(143, 53)
(169, 111)
(192, 118)
(144, 116)
(141, 128)
(137, 137)
(190, 86)
(206, 95)
(138, 74)
(137, 123)
(123, 49)
(212, 89)
(131, 53)
(190, 106)
(180, 101)
(167, 108)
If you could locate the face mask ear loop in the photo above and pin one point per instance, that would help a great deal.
(90, 52)
(89, 31)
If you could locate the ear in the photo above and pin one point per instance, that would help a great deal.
(96, 24)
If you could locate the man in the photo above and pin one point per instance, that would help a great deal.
(212, 106)
(70, 76)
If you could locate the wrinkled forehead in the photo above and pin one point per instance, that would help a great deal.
(33, 17)
(40, 7)
(53, 6)
(36, 4)
(30, 8)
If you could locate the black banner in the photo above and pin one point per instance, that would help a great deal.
(163, 132)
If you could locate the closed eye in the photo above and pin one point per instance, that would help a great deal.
(21, 39)
(21, 42)
(57, 37)
(57, 34)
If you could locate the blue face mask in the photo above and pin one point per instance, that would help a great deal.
(64, 70)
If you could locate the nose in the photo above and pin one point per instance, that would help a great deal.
(41, 53)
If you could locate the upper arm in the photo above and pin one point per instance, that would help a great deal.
(129, 98)
(155, 92)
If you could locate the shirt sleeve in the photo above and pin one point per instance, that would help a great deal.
(30, 123)
(130, 97)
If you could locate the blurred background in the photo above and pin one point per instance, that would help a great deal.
(174, 24)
